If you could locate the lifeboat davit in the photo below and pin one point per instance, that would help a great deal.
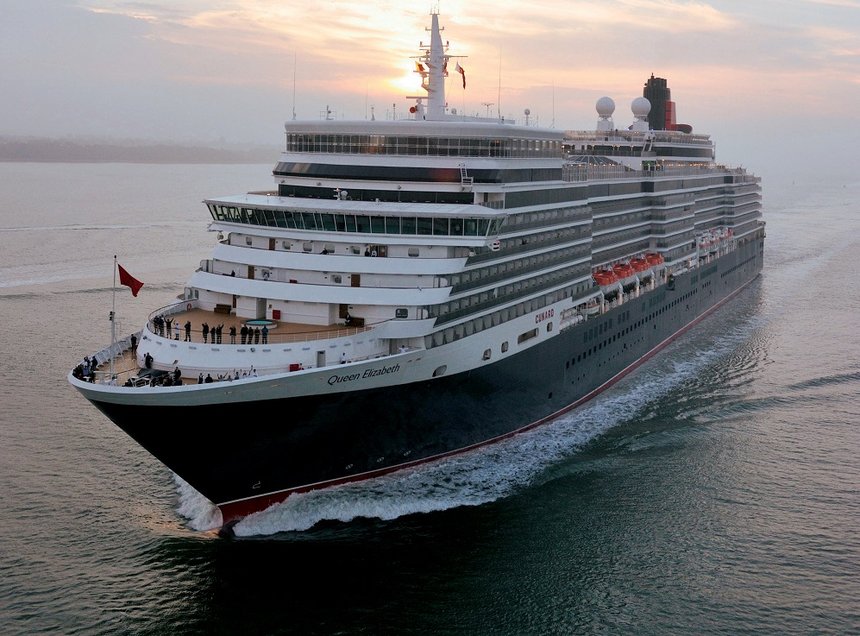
(654, 258)
(604, 277)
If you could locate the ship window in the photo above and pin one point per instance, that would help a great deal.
(440, 227)
(528, 335)
(408, 225)
(413, 252)
(401, 312)
(307, 246)
(440, 371)
(309, 220)
(549, 327)
(328, 223)
(377, 224)
(362, 223)
(505, 346)
(392, 225)
(336, 278)
(425, 226)
(291, 220)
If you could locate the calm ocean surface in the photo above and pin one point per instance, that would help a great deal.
(714, 491)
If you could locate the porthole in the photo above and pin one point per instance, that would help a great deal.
(440, 371)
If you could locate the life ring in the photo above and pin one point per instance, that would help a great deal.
(188, 307)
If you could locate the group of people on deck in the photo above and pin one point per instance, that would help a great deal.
(174, 378)
(215, 332)
(164, 325)
(227, 377)
(86, 370)
(249, 335)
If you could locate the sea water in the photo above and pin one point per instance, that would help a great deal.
(714, 491)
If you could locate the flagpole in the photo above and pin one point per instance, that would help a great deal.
(112, 320)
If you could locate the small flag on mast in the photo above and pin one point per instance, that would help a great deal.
(128, 280)
(462, 72)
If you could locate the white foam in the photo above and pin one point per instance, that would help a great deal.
(471, 479)
(478, 477)
(201, 513)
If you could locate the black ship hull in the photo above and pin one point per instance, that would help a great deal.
(247, 456)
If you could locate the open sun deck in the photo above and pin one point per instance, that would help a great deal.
(214, 345)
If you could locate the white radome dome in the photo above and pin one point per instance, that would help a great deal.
(640, 107)
(605, 106)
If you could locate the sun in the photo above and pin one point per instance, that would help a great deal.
(409, 83)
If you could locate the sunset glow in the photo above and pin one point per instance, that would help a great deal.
(237, 68)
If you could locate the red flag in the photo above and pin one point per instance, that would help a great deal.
(462, 72)
(129, 281)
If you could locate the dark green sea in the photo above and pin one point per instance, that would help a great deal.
(716, 490)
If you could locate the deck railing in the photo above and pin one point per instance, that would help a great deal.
(273, 337)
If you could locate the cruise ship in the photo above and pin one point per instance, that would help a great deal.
(417, 287)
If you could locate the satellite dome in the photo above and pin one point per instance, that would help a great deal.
(640, 107)
(605, 106)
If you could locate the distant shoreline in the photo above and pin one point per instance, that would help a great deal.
(36, 150)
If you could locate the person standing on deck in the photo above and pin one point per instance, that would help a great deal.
(188, 331)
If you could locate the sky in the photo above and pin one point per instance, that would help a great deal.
(775, 82)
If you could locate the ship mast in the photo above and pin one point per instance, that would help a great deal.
(437, 62)
(432, 66)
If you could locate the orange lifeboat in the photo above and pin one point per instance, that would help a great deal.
(604, 277)
(623, 270)
(639, 264)
(654, 258)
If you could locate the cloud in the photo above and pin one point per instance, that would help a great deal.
(209, 68)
